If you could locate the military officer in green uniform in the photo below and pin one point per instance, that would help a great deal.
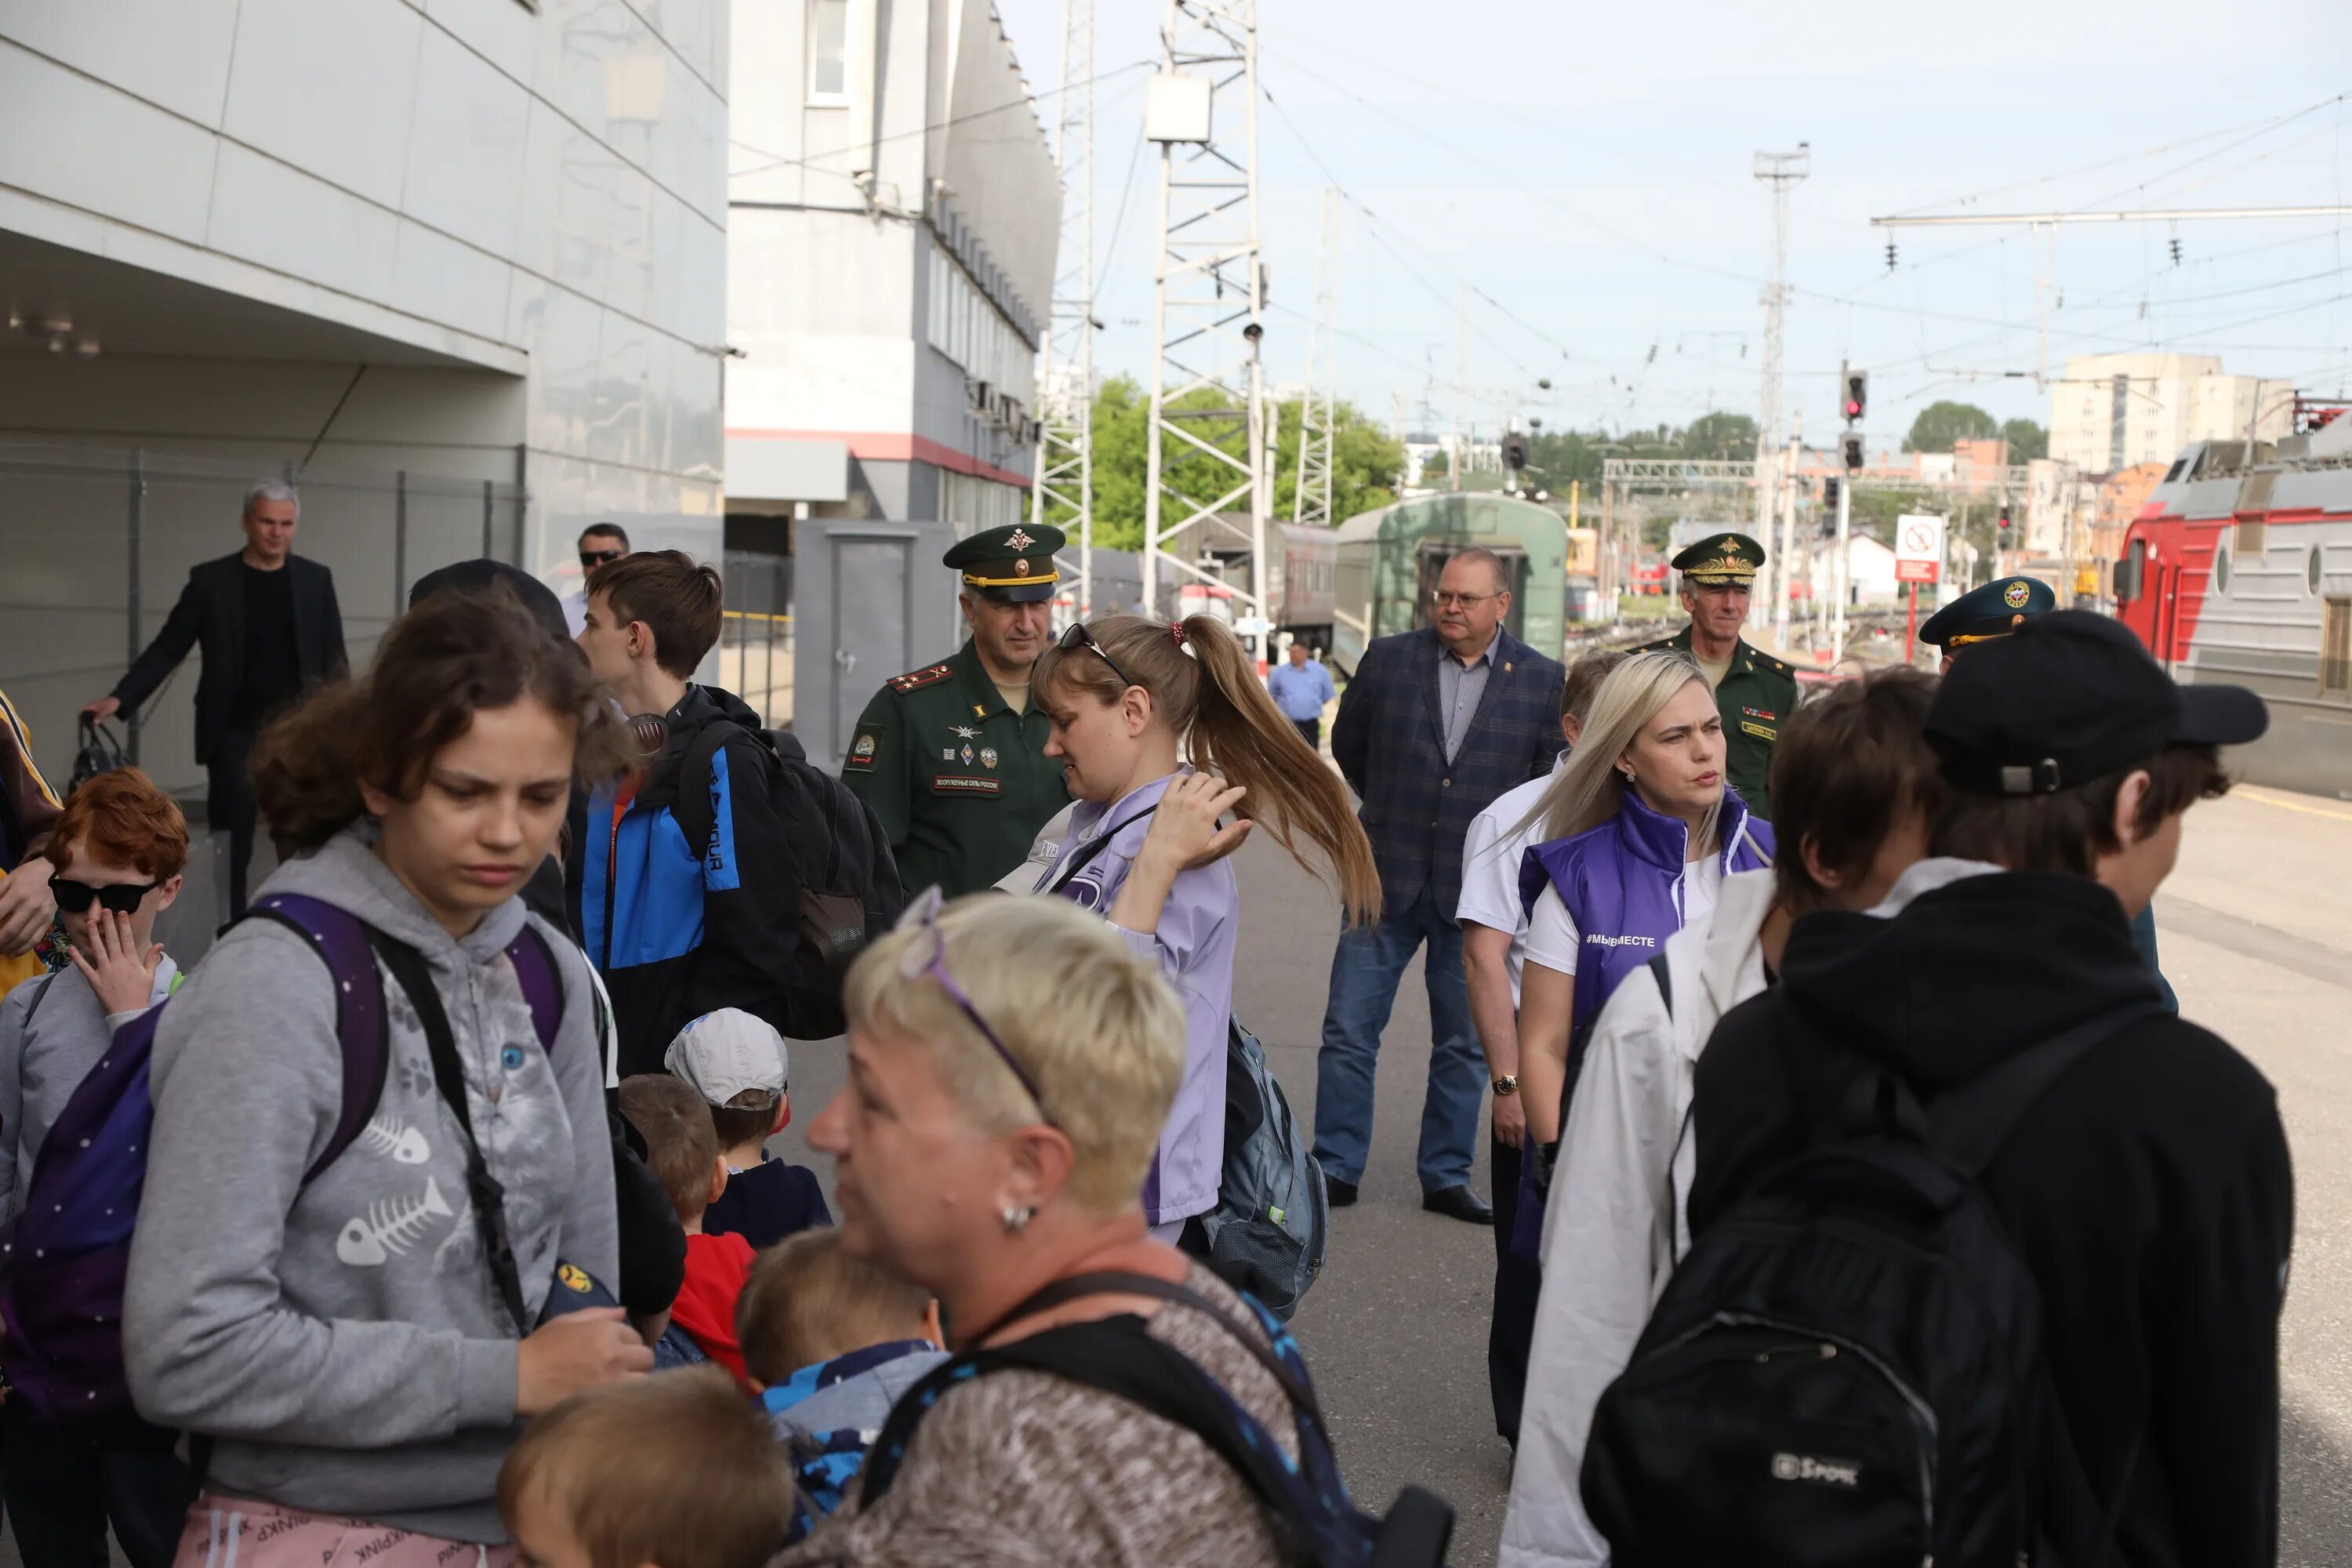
(1754, 691)
(952, 757)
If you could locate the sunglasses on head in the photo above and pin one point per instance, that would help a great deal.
(926, 958)
(122, 898)
(1077, 636)
(592, 558)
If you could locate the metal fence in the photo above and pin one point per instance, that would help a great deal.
(755, 645)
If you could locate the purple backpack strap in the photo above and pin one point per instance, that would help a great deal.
(541, 983)
(340, 939)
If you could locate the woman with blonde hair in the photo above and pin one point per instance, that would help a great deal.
(1011, 1062)
(1640, 831)
(1129, 699)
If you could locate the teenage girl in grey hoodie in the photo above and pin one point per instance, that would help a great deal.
(345, 1344)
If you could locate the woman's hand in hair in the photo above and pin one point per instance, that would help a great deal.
(582, 1350)
(1184, 834)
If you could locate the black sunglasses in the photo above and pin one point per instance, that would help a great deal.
(1077, 636)
(592, 558)
(76, 896)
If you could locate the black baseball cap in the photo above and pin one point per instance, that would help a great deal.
(2069, 697)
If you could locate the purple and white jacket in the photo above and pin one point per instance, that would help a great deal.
(1193, 946)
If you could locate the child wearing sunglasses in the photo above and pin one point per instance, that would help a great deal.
(1129, 700)
(118, 847)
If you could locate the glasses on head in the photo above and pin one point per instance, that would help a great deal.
(926, 958)
(122, 898)
(592, 558)
(1444, 599)
(1077, 636)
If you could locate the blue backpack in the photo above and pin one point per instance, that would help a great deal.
(1310, 1504)
(65, 1258)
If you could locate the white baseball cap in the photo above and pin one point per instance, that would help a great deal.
(730, 1052)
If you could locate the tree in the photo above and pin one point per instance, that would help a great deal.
(1720, 437)
(1365, 463)
(2026, 441)
(1941, 423)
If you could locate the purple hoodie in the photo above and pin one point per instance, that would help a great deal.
(1194, 948)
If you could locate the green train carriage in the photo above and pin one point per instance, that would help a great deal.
(1389, 563)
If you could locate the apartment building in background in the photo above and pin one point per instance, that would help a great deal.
(2116, 411)
(458, 265)
(894, 211)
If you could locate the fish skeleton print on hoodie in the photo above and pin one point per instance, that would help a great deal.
(345, 1342)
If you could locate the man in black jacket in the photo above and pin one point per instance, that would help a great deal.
(2149, 1189)
(271, 629)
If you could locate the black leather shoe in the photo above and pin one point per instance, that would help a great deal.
(1339, 1194)
(1459, 1203)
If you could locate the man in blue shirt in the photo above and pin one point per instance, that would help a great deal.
(1300, 689)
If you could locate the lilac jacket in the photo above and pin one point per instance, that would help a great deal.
(1194, 948)
(1621, 882)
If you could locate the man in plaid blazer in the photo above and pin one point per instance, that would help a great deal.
(1436, 723)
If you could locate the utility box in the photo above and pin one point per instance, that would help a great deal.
(1176, 108)
(871, 601)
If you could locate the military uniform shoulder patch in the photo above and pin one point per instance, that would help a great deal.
(862, 751)
(915, 680)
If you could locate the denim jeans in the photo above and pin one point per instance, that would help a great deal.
(1365, 970)
(63, 1493)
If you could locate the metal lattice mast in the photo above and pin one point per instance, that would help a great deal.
(1310, 500)
(1065, 380)
(1207, 438)
(1780, 171)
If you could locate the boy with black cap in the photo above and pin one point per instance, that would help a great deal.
(2147, 1189)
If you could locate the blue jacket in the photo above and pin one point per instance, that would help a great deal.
(1389, 741)
(1621, 882)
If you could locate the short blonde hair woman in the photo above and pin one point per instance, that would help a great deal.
(1011, 1064)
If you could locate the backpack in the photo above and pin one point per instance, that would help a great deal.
(65, 1259)
(1322, 1526)
(1265, 1235)
(854, 894)
(1847, 1368)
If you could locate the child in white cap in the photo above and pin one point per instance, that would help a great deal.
(739, 1065)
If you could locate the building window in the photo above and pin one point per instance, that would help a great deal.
(2336, 649)
(828, 51)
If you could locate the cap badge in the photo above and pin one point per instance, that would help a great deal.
(1021, 568)
(2015, 596)
(1019, 539)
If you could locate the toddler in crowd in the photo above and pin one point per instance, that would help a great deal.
(831, 1343)
(737, 1062)
(682, 1151)
(658, 1472)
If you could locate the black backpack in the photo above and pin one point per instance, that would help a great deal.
(1321, 1525)
(1846, 1370)
(849, 882)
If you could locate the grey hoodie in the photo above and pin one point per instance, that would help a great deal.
(345, 1343)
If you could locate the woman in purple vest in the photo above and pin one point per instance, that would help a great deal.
(1130, 700)
(1641, 830)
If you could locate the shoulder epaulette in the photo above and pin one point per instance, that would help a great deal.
(1774, 665)
(915, 680)
(1664, 645)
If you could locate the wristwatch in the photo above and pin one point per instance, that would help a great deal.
(1508, 1084)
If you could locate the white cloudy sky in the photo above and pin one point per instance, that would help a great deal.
(1587, 167)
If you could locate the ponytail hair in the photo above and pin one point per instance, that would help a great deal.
(1204, 684)
(452, 656)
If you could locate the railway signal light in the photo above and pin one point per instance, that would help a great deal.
(1852, 451)
(1515, 452)
(1857, 394)
(2004, 519)
(1830, 493)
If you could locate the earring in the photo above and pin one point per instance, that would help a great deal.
(1016, 1218)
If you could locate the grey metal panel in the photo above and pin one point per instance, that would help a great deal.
(871, 601)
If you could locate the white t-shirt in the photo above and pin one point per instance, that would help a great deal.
(1552, 938)
(1492, 854)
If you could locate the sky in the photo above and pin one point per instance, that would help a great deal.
(1587, 171)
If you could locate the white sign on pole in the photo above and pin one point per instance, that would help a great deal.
(1918, 548)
